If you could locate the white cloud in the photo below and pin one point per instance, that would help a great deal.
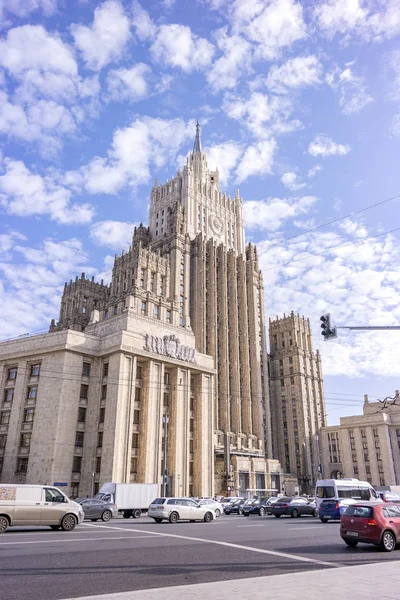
(24, 194)
(297, 72)
(146, 143)
(176, 46)
(314, 170)
(395, 126)
(115, 234)
(272, 213)
(129, 84)
(392, 63)
(144, 26)
(324, 146)
(372, 21)
(106, 39)
(225, 156)
(353, 91)
(257, 160)
(290, 181)
(354, 228)
(22, 8)
(235, 61)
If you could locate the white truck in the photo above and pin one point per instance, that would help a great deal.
(132, 499)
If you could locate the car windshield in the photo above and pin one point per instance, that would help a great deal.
(325, 491)
(285, 499)
(359, 511)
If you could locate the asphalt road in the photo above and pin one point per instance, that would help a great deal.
(124, 555)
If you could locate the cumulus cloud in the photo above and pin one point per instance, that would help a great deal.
(272, 213)
(23, 8)
(129, 84)
(24, 193)
(298, 72)
(257, 160)
(234, 62)
(144, 27)
(353, 91)
(290, 181)
(323, 146)
(313, 171)
(371, 21)
(225, 156)
(107, 37)
(176, 46)
(115, 234)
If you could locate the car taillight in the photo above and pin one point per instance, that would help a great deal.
(371, 522)
(161, 508)
(284, 504)
(337, 505)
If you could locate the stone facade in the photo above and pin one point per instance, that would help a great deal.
(180, 334)
(364, 446)
(297, 398)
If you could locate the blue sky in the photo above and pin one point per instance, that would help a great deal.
(300, 108)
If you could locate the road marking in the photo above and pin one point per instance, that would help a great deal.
(230, 545)
(300, 528)
(52, 541)
(241, 526)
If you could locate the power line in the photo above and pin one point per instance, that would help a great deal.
(309, 255)
(356, 212)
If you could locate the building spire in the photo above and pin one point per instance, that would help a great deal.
(197, 140)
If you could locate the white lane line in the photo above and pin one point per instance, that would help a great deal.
(230, 545)
(241, 526)
(300, 528)
(53, 541)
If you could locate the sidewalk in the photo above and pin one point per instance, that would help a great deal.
(373, 581)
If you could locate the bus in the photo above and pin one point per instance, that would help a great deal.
(344, 488)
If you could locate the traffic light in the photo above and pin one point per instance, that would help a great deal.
(328, 331)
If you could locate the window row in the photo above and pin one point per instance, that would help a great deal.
(12, 372)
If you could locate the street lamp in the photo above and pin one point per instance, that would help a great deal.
(165, 473)
(92, 486)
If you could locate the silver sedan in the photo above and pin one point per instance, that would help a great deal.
(95, 509)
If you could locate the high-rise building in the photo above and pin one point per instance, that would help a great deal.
(297, 398)
(162, 376)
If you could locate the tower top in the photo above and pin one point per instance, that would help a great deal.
(197, 140)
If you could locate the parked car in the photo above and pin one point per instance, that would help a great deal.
(256, 507)
(179, 509)
(293, 507)
(213, 504)
(371, 523)
(389, 497)
(333, 508)
(228, 500)
(234, 508)
(95, 509)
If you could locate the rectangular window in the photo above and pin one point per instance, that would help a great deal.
(377, 444)
(105, 370)
(32, 391)
(363, 433)
(368, 469)
(353, 445)
(168, 316)
(35, 370)
(133, 464)
(86, 369)
(12, 373)
(136, 416)
(366, 458)
(102, 415)
(79, 437)
(138, 391)
(355, 471)
(3, 439)
(156, 312)
(103, 392)
(22, 465)
(77, 464)
(84, 391)
(378, 456)
(144, 308)
(354, 457)
(380, 469)
(365, 446)
(135, 440)
(351, 434)
(25, 440)
(81, 414)
(5, 417)
(9, 395)
(29, 414)
(98, 464)
(375, 432)
(100, 439)
(1, 464)
(138, 371)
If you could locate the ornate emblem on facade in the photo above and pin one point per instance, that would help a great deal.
(169, 345)
(217, 224)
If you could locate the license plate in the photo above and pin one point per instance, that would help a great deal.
(352, 533)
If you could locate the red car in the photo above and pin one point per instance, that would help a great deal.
(371, 523)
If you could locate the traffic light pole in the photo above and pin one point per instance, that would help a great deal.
(329, 332)
(368, 328)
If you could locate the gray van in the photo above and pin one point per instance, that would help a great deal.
(22, 505)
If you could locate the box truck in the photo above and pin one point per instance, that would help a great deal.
(132, 499)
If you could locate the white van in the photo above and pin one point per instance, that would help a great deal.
(22, 505)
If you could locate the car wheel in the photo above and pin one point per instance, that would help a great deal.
(217, 512)
(351, 543)
(106, 516)
(68, 522)
(55, 527)
(278, 516)
(261, 512)
(94, 519)
(323, 520)
(208, 517)
(3, 524)
(158, 520)
(295, 513)
(137, 513)
(388, 541)
(315, 513)
(173, 517)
